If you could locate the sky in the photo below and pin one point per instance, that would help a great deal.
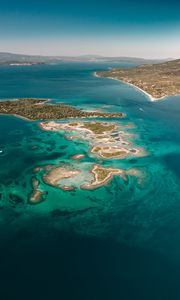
(149, 29)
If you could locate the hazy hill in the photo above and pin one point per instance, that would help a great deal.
(12, 58)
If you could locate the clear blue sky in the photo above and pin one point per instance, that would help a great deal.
(75, 27)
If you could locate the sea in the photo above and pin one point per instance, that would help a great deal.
(120, 241)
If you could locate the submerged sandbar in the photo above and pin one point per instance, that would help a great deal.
(55, 175)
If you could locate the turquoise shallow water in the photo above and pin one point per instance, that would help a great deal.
(121, 241)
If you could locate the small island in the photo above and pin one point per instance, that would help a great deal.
(41, 109)
(37, 195)
(156, 80)
(102, 176)
(105, 138)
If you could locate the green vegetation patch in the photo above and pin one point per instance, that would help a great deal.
(102, 174)
(98, 127)
(96, 149)
(113, 154)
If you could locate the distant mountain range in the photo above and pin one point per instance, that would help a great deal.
(23, 59)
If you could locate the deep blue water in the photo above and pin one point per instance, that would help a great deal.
(118, 242)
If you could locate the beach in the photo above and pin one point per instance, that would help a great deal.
(150, 97)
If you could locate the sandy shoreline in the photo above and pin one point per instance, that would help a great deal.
(151, 98)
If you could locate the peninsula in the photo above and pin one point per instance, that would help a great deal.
(156, 80)
(41, 109)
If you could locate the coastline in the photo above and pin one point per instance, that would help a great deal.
(151, 98)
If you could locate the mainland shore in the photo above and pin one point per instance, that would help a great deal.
(156, 81)
(151, 98)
